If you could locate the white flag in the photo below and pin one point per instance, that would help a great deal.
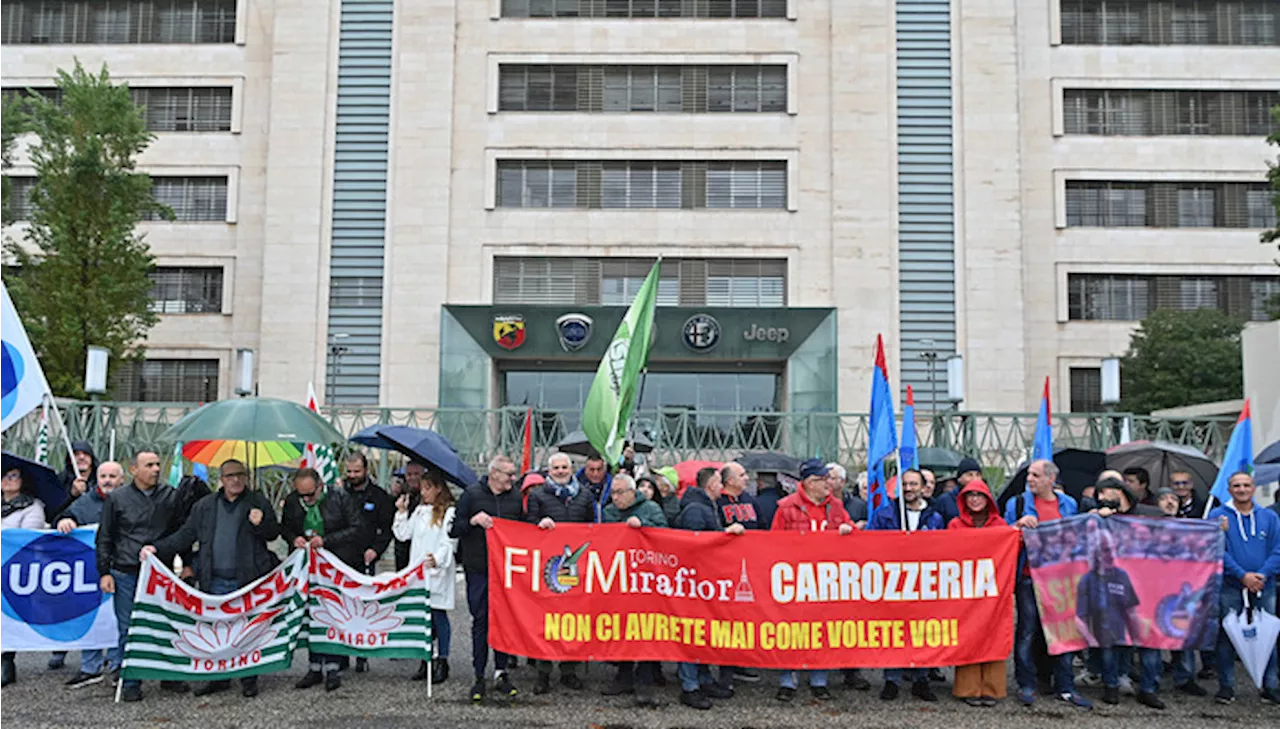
(319, 457)
(23, 381)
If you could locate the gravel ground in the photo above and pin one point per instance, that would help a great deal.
(385, 699)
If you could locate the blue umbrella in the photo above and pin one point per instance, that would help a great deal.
(1270, 454)
(38, 479)
(425, 446)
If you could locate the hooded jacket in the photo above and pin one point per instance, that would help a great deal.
(698, 513)
(473, 551)
(965, 519)
(1253, 545)
(647, 511)
(799, 513)
(68, 477)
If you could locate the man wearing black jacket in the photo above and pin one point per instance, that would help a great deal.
(133, 516)
(318, 517)
(377, 511)
(232, 526)
(492, 498)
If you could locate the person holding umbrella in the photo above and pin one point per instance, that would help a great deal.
(377, 511)
(21, 511)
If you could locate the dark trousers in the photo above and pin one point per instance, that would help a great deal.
(402, 555)
(566, 667)
(223, 586)
(478, 603)
(632, 673)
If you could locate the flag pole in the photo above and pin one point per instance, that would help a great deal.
(902, 502)
(66, 437)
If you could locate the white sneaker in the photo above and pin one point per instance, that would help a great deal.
(1086, 678)
(1126, 687)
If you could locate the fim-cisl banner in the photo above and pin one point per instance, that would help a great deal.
(179, 633)
(767, 600)
(380, 616)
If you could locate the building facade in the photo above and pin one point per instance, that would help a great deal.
(383, 196)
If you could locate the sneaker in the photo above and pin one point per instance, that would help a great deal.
(747, 675)
(333, 681)
(1269, 696)
(542, 685)
(695, 700)
(571, 681)
(1088, 678)
(785, 695)
(131, 693)
(974, 701)
(716, 691)
(57, 661)
(84, 679)
(1075, 699)
(477, 691)
(923, 691)
(821, 693)
(889, 692)
(1207, 673)
(1191, 688)
(1126, 686)
(1026, 696)
(313, 678)
(854, 679)
(617, 688)
(1150, 701)
(174, 687)
(989, 701)
(505, 688)
(1111, 695)
(1225, 696)
(362, 665)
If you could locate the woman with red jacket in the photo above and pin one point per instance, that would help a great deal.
(978, 684)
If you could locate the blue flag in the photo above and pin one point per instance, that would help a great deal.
(907, 451)
(1239, 456)
(1042, 448)
(882, 436)
(23, 379)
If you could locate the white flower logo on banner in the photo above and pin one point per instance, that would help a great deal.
(354, 615)
(227, 638)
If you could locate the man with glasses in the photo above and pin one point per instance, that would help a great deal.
(232, 527)
(1190, 505)
(492, 498)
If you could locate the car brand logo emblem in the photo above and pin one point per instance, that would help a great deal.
(508, 330)
(701, 332)
(574, 331)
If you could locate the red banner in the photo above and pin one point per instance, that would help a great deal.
(764, 599)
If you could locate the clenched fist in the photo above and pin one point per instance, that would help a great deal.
(255, 517)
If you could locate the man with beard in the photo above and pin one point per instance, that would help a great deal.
(377, 511)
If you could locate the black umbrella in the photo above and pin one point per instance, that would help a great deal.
(770, 463)
(939, 459)
(1076, 469)
(38, 480)
(577, 444)
(1161, 459)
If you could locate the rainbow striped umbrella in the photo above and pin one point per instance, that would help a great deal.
(265, 453)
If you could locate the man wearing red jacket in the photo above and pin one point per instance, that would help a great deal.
(812, 508)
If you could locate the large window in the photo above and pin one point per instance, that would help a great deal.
(746, 282)
(630, 89)
(192, 199)
(1170, 22)
(167, 109)
(644, 8)
(166, 380)
(1099, 204)
(187, 290)
(20, 197)
(118, 21)
(643, 184)
(1143, 112)
(1086, 389)
(1108, 297)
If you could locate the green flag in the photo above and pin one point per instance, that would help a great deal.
(613, 392)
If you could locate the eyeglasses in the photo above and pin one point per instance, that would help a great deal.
(508, 474)
(241, 474)
(14, 476)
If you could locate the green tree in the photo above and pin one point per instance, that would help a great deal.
(1273, 176)
(11, 125)
(1178, 358)
(81, 274)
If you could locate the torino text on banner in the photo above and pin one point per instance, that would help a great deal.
(51, 595)
(1127, 580)
(767, 600)
(180, 633)
(383, 616)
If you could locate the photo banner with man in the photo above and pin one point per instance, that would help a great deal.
(51, 596)
(765, 600)
(1125, 580)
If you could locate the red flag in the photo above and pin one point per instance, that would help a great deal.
(526, 457)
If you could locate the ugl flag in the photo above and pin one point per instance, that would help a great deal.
(51, 596)
(381, 616)
(1042, 447)
(882, 436)
(21, 377)
(607, 414)
(1239, 456)
(318, 455)
(180, 633)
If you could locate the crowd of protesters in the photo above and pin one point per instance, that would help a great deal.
(231, 529)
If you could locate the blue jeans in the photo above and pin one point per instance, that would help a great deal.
(694, 676)
(93, 661)
(442, 631)
(894, 675)
(816, 679)
(126, 585)
(478, 602)
(1117, 660)
(1231, 601)
(1024, 664)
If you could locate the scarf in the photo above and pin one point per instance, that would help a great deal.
(312, 519)
(16, 504)
(567, 490)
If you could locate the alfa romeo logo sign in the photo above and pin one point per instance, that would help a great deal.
(701, 332)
